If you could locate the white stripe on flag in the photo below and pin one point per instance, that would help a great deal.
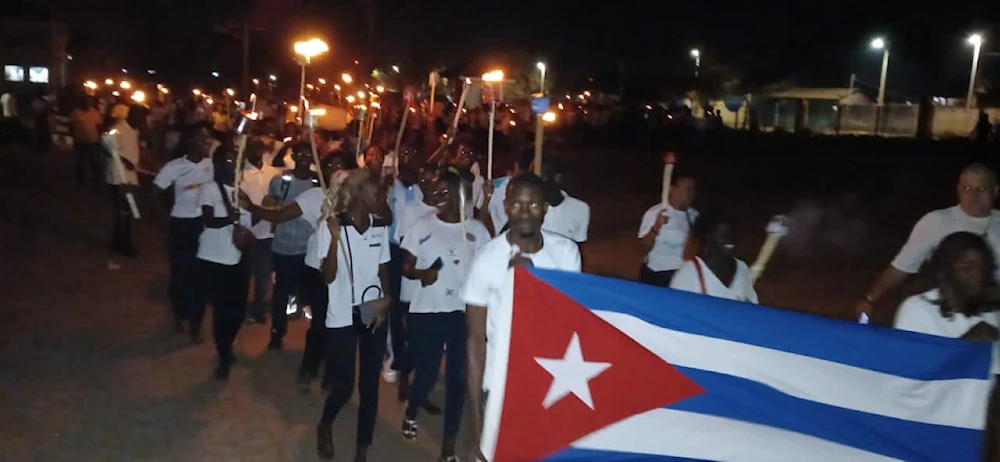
(669, 432)
(957, 403)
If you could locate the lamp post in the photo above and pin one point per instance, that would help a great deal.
(976, 40)
(696, 54)
(879, 44)
(308, 50)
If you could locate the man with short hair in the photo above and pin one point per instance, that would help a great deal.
(974, 213)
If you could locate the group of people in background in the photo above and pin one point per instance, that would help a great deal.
(404, 258)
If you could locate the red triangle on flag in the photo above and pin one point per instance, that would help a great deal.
(570, 373)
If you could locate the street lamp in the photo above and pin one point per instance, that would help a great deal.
(696, 54)
(976, 40)
(541, 83)
(307, 50)
(879, 44)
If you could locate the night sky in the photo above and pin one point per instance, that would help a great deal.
(764, 42)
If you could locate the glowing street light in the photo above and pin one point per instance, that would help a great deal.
(90, 84)
(273, 78)
(976, 40)
(696, 54)
(346, 78)
(879, 44)
(109, 82)
(139, 96)
(196, 92)
(493, 76)
(125, 85)
(215, 74)
(549, 117)
(395, 69)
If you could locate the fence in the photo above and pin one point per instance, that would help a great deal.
(826, 117)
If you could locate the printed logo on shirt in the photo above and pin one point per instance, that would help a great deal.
(452, 252)
(449, 292)
(471, 237)
(192, 186)
(424, 239)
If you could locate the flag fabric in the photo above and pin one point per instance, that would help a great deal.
(609, 370)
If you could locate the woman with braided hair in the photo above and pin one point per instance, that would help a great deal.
(353, 246)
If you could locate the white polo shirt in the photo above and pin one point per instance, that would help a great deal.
(476, 201)
(490, 283)
(254, 184)
(667, 253)
(410, 215)
(570, 218)
(921, 313)
(311, 204)
(186, 177)
(431, 238)
(216, 244)
(740, 289)
(935, 226)
(362, 254)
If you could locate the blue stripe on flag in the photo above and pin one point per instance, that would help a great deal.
(573, 454)
(745, 400)
(905, 354)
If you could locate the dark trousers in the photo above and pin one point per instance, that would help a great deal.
(397, 313)
(317, 296)
(121, 220)
(341, 345)
(182, 246)
(288, 270)
(429, 333)
(89, 160)
(260, 260)
(225, 287)
(655, 278)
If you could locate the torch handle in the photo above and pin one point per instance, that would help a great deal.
(668, 173)
(764, 256)
(241, 145)
(402, 127)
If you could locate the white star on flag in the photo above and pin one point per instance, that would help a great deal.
(571, 374)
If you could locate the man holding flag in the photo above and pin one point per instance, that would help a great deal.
(489, 285)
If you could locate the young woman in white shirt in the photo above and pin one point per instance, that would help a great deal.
(490, 283)
(962, 304)
(715, 271)
(438, 253)
(224, 278)
(354, 251)
(664, 230)
(185, 175)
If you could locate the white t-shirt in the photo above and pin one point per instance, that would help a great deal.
(476, 201)
(667, 253)
(410, 215)
(431, 238)
(920, 313)
(401, 196)
(311, 204)
(362, 254)
(254, 184)
(497, 213)
(935, 226)
(9, 104)
(124, 140)
(741, 289)
(570, 218)
(490, 284)
(186, 177)
(216, 244)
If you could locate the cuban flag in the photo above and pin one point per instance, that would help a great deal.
(610, 370)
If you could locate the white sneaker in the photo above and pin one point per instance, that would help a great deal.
(389, 375)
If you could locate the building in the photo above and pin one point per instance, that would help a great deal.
(33, 55)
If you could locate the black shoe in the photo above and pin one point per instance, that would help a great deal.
(324, 441)
(409, 428)
(275, 344)
(432, 408)
(222, 370)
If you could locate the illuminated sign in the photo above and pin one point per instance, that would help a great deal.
(13, 73)
(38, 74)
